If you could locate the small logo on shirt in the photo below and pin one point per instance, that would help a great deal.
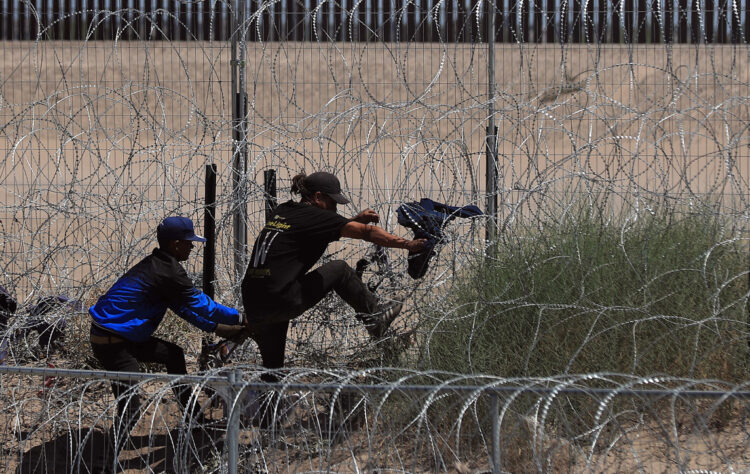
(278, 225)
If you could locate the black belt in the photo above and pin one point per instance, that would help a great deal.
(105, 339)
(99, 336)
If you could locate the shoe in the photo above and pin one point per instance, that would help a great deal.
(379, 321)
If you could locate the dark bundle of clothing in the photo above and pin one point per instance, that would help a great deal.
(428, 219)
(8, 307)
(50, 333)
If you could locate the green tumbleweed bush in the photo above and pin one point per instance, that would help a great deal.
(661, 293)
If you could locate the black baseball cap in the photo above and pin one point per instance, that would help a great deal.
(177, 228)
(326, 183)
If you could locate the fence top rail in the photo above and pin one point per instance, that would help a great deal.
(230, 378)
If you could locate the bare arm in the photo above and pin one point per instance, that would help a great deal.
(379, 236)
(366, 217)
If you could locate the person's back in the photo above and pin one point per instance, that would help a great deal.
(291, 242)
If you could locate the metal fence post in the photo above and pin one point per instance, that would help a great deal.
(239, 132)
(491, 145)
(209, 232)
(495, 414)
(269, 187)
(233, 423)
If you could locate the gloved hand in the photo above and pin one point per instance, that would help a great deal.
(227, 331)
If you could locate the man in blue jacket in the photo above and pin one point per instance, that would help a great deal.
(125, 318)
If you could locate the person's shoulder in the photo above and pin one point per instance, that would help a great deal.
(324, 216)
(287, 208)
(168, 273)
(163, 264)
(142, 265)
(294, 209)
(290, 205)
(307, 214)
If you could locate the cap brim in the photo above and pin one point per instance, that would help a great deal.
(196, 238)
(339, 198)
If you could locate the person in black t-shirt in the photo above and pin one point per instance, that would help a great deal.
(279, 286)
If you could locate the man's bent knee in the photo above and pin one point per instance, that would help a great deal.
(338, 266)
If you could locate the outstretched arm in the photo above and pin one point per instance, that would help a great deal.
(379, 236)
(366, 217)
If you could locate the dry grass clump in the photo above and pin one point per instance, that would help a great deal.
(662, 293)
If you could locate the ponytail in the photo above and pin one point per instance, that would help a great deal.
(298, 186)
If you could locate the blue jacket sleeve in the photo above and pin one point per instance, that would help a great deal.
(193, 305)
(201, 311)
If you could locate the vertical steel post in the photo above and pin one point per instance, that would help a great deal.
(27, 21)
(495, 414)
(269, 188)
(491, 159)
(15, 26)
(239, 135)
(233, 424)
(209, 232)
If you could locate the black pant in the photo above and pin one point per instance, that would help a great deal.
(271, 322)
(124, 357)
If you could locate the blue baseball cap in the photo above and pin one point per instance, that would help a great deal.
(177, 228)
